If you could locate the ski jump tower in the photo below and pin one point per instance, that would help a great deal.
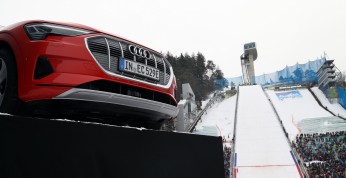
(247, 65)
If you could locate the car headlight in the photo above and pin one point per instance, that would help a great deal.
(40, 31)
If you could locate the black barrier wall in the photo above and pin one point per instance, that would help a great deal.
(46, 148)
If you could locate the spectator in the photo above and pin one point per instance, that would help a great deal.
(324, 154)
(227, 160)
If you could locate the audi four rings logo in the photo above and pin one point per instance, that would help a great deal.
(139, 52)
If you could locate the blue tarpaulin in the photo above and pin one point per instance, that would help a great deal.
(297, 73)
(342, 96)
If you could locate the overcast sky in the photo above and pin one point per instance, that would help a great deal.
(286, 32)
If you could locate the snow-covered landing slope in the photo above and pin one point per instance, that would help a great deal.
(261, 147)
(219, 119)
(294, 106)
(335, 108)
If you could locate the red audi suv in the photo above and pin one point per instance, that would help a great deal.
(50, 68)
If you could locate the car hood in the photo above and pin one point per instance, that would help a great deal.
(75, 25)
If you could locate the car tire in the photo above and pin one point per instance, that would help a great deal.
(9, 102)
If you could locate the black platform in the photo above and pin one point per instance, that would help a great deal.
(45, 148)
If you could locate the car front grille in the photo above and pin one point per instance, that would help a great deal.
(107, 51)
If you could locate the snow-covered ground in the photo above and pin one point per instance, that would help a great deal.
(322, 125)
(261, 147)
(205, 102)
(218, 120)
(335, 108)
(298, 105)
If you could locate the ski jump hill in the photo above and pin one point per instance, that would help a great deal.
(261, 147)
(267, 121)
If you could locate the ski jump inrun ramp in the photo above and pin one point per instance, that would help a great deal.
(261, 147)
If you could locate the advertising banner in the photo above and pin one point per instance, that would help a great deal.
(288, 94)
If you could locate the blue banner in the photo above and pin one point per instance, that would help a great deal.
(288, 94)
(220, 84)
(342, 96)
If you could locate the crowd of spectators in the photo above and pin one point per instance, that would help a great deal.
(324, 154)
(227, 160)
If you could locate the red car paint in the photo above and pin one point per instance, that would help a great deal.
(70, 59)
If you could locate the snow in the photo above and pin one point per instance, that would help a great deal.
(322, 125)
(5, 114)
(295, 109)
(335, 108)
(97, 123)
(205, 102)
(261, 146)
(182, 102)
(218, 120)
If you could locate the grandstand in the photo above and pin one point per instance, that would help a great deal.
(324, 154)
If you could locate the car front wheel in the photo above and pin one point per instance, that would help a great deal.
(9, 102)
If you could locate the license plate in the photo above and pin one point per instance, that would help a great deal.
(138, 68)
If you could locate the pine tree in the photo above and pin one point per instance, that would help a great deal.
(194, 70)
